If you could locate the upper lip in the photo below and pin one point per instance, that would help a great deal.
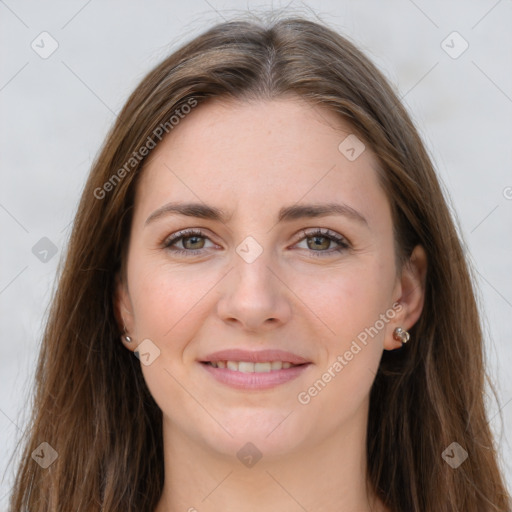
(255, 357)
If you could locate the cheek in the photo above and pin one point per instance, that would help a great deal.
(343, 380)
(354, 304)
(169, 306)
(165, 298)
(350, 298)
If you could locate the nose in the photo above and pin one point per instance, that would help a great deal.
(254, 296)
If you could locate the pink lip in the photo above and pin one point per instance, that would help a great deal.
(255, 357)
(254, 381)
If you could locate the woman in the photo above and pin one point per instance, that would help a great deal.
(264, 231)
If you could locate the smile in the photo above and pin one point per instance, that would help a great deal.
(251, 367)
(250, 376)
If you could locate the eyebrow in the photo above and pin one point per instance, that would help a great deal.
(288, 213)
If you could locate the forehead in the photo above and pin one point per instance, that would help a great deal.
(264, 154)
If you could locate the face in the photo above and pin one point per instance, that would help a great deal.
(256, 276)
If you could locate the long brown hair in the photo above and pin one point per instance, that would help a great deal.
(91, 402)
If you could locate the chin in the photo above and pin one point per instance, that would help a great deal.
(271, 434)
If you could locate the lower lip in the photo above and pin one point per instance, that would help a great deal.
(263, 380)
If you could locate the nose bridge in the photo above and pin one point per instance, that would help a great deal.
(253, 296)
(252, 277)
(252, 269)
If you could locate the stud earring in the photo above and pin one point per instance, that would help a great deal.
(125, 336)
(400, 335)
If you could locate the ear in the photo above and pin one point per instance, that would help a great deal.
(123, 311)
(410, 294)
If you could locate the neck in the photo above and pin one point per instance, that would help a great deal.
(329, 475)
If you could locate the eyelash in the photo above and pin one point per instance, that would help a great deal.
(189, 233)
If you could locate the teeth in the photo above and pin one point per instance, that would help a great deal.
(245, 367)
(250, 367)
(262, 367)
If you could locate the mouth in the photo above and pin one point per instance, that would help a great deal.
(251, 367)
(248, 370)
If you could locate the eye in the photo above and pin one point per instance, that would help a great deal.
(317, 240)
(192, 240)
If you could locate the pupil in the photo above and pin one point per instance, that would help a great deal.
(320, 245)
(194, 241)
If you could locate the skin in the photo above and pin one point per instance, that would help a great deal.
(251, 159)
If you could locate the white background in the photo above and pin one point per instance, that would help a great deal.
(55, 113)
